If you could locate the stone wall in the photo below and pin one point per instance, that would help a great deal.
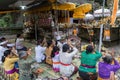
(10, 31)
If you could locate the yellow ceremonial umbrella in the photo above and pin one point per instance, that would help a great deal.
(67, 6)
(84, 8)
(79, 14)
(80, 11)
(64, 6)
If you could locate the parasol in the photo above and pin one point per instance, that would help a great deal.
(99, 13)
(84, 8)
(118, 13)
(80, 11)
(89, 17)
(79, 15)
(64, 6)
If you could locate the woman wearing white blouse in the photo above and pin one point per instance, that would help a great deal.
(67, 68)
(19, 43)
(40, 50)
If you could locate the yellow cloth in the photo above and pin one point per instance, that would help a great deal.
(75, 32)
(101, 79)
(4, 12)
(112, 77)
(48, 55)
(80, 11)
(14, 76)
(84, 8)
(115, 8)
(9, 65)
(65, 6)
(79, 14)
(107, 33)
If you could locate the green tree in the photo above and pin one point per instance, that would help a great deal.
(101, 2)
(2, 23)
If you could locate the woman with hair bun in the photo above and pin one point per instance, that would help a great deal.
(8, 63)
(106, 69)
(89, 58)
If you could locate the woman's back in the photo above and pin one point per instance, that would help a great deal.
(48, 55)
(89, 60)
(39, 50)
(9, 63)
(48, 51)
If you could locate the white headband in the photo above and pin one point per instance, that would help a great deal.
(4, 42)
(11, 45)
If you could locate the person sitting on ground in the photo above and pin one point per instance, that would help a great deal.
(11, 46)
(40, 50)
(89, 58)
(106, 69)
(55, 59)
(19, 43)
(8, 63)
(66, 67)
(48, 52)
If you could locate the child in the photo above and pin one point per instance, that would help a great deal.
(55, 58)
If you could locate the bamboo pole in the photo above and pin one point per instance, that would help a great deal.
(101, 28)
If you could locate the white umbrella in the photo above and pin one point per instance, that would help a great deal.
(118, 13)
(89, 17)
(99, 13)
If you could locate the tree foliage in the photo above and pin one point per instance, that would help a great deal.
(101, 2)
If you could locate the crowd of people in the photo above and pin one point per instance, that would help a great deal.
(59, 54)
